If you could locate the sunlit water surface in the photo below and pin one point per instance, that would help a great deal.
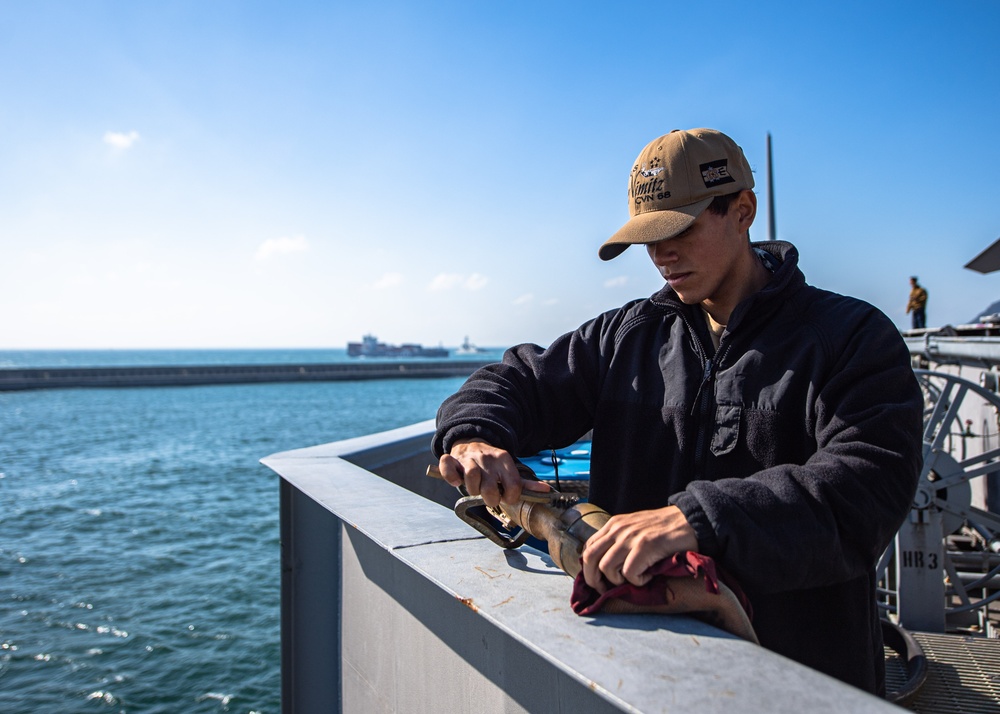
(139, 555)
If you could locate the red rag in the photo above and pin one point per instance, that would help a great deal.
(587, 601)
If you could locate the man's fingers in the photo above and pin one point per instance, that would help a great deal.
(537, 486)
(490, 488)
(611, 567)
(487, 472)
(628, 545)
(609, 557)
(451, 469)
(634, 569)
(593, 576)
(473, 479)
(487, 483)
(594, 560)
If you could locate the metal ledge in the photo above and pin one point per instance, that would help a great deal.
(391, 604)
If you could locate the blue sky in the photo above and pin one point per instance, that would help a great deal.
(296, 174)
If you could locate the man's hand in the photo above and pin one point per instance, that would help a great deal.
(486, 471)
(629, 544)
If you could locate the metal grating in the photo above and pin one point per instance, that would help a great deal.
(963, 675)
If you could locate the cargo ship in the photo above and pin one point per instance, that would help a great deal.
(371, 347)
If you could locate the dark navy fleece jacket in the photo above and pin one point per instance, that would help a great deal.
(793, 450)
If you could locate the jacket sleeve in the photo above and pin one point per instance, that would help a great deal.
(797, 526)
(534, 398)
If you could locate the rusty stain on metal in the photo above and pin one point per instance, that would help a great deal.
(504, 602)
(493, 576)
(467, 601)
(695, 640)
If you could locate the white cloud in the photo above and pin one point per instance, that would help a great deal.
(120, 140)
(450, 281)
(550, 302)
(524, 299)
(281, 246)
(445, 281)
(476, 282)
(618, 282)
(389, 280)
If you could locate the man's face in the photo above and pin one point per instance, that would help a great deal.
(701, 263)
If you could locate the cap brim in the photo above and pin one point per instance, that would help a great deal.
(652, 227)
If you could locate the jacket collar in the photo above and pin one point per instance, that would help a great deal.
(785, 279)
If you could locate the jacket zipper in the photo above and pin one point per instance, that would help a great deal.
(704, 398)
(704, 404)
(701, 408)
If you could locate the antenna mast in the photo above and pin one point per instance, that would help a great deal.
(772, 232)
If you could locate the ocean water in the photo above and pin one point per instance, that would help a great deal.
(139, 554)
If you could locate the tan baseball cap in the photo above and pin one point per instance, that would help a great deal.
(673, 180)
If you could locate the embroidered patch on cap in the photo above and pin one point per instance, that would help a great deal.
(715, 173)
(653, 168)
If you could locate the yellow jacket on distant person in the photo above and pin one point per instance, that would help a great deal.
(918, 298)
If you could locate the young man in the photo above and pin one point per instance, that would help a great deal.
(737, 412)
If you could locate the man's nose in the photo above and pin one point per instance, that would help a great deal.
(662, 252)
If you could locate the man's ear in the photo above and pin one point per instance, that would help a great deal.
(746, 209)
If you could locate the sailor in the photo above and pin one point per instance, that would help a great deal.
(917, 304)
(738, 412)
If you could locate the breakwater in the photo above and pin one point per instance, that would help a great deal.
(191, 375)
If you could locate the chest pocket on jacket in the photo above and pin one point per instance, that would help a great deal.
(727, 429)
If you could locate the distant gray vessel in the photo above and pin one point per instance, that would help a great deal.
(371, 347)
(467, 348)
